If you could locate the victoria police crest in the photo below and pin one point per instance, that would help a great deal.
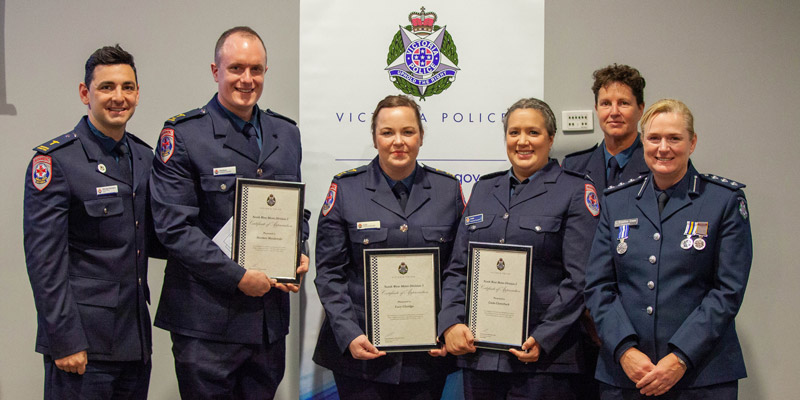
(422, 59)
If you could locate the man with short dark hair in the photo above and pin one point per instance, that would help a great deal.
(228, 324)
(88, 234)
(619, 103)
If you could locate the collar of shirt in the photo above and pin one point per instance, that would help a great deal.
(407, 181)
(623, 156)
(514, 181)
(108, 144)
(240, 123)
(682, 187)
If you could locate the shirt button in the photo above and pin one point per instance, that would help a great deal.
(505, 216)
(473, 227)
(365, 241)
(259, 172)
(404, 228)
(649, 310)
(441, 240)
(502, 241)
(134, 195)
(105, 210)
(651, 285)
(537, 228)
(652, 259)
(656, 236)
(140, 281)
(137, 224)
(223, 186)
(138, 253)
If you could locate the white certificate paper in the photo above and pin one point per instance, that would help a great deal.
(402, 298)
(498, 294)
(267, 225)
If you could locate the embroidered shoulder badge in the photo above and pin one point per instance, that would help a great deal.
(42, 171)
(330, 199)
(743, 208)
(166, 144)
(590, 197)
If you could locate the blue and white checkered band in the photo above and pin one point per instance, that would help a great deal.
(422, 57)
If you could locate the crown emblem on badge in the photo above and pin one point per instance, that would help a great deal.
(422, 22)
(422, 59)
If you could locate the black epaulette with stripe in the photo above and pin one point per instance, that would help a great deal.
(629, 182)
(197, 112)
(53, 144)
(730, 184)
(439, 172)
(350, 172)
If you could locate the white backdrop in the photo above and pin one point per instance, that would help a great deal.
(343, 57)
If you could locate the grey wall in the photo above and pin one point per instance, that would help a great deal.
(733, 63)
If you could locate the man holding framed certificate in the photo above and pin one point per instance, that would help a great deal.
(533, 223)
(228, 324)
(383, 230)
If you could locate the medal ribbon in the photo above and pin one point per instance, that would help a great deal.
(623, 232)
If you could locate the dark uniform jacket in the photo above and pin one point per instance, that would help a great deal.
(556, 214)
(434, 208)
(87, 231)
(592, 162)
(194, 178)
(662, 297)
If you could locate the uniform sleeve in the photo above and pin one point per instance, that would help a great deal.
(332, 260)
(46, 234)
(454, 279)
(700, 332)
(602, 294)
(568, 304)
(174, 202)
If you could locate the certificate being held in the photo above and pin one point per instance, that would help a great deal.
(498, 294)
(402, 298)
(267, 227)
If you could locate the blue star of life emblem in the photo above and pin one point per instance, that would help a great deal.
(422, 59)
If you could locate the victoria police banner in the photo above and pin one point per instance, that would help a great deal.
(464, 62)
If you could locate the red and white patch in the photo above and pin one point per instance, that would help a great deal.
(166, 144)
(330, 199)
(590, 197)
(41, 171)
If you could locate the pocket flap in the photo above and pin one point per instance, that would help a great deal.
(95, 292)
(540, 223)
(104, 207)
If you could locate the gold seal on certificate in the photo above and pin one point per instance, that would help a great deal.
(267, 227)
(402, 298)
(498, 294)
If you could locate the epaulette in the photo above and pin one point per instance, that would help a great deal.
(622, 185)
(492, 175)
(577, 153)
(140, 141)
(60, 141)
(353, 171)
(283, 117)
(197, 112)
(578, 174)
(733, 185)
(438, 171)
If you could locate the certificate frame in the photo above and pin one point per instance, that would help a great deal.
(509, 278)
(250, 214)
(377, 265)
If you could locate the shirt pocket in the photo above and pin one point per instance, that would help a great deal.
(545, 234)
(97, 301)
(218, 192)
(369, 238)
(104, 221)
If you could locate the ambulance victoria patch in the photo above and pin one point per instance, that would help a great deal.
(590, 196)
(42, 171)
(166, 144)
(330, 200)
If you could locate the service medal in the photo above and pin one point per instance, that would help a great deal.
(622, 247)
(686, 244)
(699, 244)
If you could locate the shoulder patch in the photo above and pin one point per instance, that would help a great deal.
(439, 172)
(730, 184)
(140, 141)
(591, 200)
(197, 112)
(577, 153)
(353, 171)
(41, 171)
(283, 117)
(630, 182)
(53, 144)
(493, 175)
(330, 199)
(166, 144)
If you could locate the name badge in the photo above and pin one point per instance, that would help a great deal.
(107, 190)
(225, 171)
(473, 219)
(368, 225)
(629, 222)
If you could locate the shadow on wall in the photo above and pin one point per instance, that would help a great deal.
(5, 108)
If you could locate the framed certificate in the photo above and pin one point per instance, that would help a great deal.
(498, 294)
(267, 227)
(402, 298)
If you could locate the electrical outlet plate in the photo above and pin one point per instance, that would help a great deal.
(577, 120)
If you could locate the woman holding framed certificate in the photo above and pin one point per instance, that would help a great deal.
(382, 232)
(513, 290)
(668, 270)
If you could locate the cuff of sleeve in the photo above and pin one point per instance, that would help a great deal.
(626, 344)
(304, 248)
(681, 356)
